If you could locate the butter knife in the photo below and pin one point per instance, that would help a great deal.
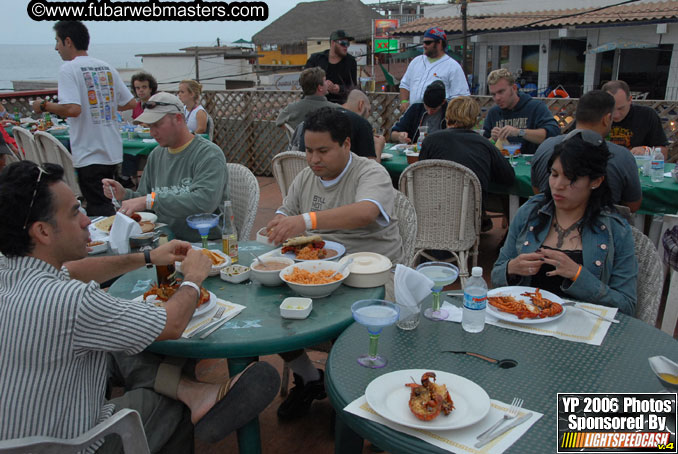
(502, 430)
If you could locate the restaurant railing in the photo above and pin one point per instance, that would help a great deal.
(245, 120)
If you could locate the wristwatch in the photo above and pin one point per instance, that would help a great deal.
(147, 258)
(521, 133)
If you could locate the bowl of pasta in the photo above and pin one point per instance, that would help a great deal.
(312, 279)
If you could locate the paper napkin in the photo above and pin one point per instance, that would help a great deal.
(123, 227)
(410, 288)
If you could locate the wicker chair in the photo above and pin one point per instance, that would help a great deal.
(26, 142)
(447, 198)
(407, 225)
(286, 166)
(243, 190)
(650, 278)
(126, 423)
(289, 133)
(54, 151)
(210, 127)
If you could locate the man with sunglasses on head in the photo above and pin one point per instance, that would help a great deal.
(594, 120)
(433, 65)
(184, 175)
(341, 69)
(63, 339)
(90, 93)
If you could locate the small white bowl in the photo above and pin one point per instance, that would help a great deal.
(315, 290)
(295, 307)
(99, 248)
(269, 278)
(663, 365)
(235, 274)
(368, 269)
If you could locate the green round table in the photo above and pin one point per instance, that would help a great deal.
(546, 366)
(258, 329)
(658, 198)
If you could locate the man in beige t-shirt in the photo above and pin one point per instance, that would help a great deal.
(345, 198)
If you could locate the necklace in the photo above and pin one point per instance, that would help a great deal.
(562, 234)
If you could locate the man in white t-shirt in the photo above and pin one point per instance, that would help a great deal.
(90, 94)
(433, 65)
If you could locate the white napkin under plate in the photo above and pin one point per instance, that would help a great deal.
(206, 321)
(410, 287)
(456, 440)
(123, 227)
(575, 325)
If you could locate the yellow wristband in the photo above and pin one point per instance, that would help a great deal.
(314, 220)
(574, 279)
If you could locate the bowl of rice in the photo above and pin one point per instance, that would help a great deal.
(311, 279)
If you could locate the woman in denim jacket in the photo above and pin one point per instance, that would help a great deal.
(570, 240)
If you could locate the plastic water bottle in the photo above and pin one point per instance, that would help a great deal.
(657, 166)
(475, 302)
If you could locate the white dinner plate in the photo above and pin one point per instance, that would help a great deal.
(403, 146)
(199, 311)
(389, 396)
(515, 292)
(328, 245)
(104, 225)
(386, 156)
(216, 269)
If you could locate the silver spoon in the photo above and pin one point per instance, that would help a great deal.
(343, 267)
(502, 363)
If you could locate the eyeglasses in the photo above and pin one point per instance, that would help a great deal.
(343, 43)
(154, 104)
(35, 191)
(588, 136)
(428, 43)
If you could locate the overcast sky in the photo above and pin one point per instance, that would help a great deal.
(19, 28)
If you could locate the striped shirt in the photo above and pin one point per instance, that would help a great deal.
(55, 333)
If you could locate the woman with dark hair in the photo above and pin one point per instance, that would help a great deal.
(570, 240)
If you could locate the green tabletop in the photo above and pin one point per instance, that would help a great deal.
(258, 329)
(133, 147)
(658, 198)
(546, 366)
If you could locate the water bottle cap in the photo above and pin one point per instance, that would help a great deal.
(477, 271)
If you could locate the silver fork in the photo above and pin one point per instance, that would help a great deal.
(511, 413)
(216, 317)
(116, 204)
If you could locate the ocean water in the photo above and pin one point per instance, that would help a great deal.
(41, 62)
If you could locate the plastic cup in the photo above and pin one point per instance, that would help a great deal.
(409, 316)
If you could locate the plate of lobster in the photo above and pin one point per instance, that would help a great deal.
(525, 305)
(159, 294)
(424, 399)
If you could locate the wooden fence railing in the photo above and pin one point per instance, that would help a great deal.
(245, 120)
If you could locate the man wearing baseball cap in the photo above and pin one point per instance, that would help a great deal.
(341, 69)
(430, 113)
(433, 65)
(184, 175)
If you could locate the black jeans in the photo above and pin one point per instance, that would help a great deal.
(89, 179)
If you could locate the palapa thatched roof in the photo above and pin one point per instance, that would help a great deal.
(319, 19)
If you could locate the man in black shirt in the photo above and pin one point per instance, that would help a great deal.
(340, 67)
(634, 127)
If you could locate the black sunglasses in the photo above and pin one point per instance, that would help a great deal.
(588, 136)
(343, 43)
(35, 191)
(154, 104)
(428, 43)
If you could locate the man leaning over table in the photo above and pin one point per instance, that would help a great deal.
(62, 336)
(430, 113)
(185, 174)
(634, 127)
(345, 198)
(90, 93)
(594, 113)
(517, 117)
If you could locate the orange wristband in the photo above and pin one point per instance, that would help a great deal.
(314, 220)
(574, 279)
